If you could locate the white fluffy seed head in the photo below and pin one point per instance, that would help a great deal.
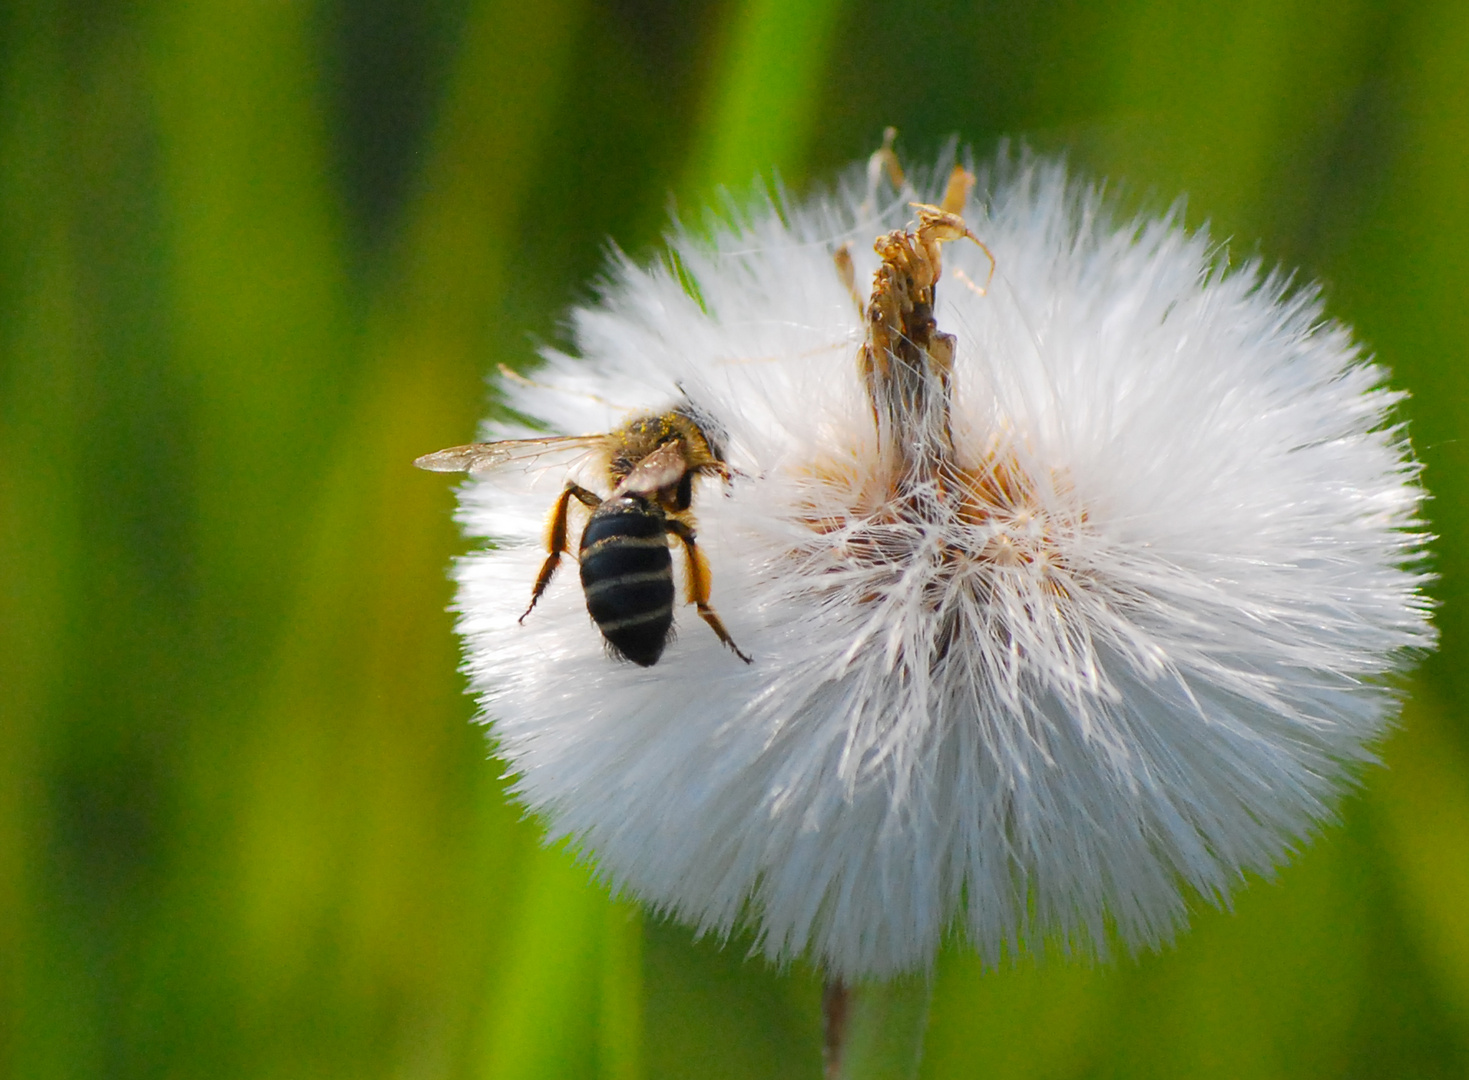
(1137, 651)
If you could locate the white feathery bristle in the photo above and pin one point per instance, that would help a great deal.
(1140, 657)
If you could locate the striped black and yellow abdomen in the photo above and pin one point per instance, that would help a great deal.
(627, 575)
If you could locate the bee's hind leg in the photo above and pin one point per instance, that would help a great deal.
(556, 536)
(699, 584)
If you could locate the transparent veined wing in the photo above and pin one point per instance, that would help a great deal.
(477, 458)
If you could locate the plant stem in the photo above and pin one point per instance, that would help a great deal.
(874, 1031)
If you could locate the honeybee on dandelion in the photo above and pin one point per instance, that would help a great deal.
(1076, 578)
(626, 570)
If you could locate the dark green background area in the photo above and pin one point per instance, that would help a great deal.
(257, 255)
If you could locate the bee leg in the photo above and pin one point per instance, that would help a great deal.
(556, 536)
(699, 584)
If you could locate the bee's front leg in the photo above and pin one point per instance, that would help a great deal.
(556, 536)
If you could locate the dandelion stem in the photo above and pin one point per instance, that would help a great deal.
(874, 1030)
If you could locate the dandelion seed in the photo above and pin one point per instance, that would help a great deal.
(1069, 595)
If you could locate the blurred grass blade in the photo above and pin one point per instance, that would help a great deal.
(544, 1019)
(620, 1022)
(501, 106)
(427, 872)
(259, 298)
(1422, 807)
(764, 92)
(41, 528)
(1222, 89)
(263, 343)
(1402, 272)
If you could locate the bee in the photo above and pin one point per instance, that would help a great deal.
(626, 566)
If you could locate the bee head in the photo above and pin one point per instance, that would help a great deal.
(714, 432)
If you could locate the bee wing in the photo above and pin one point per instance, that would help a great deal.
(662, 468)
(482, 457)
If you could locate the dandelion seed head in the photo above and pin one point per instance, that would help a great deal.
(1126, 641)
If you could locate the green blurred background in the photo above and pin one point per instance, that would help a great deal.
(256, 255)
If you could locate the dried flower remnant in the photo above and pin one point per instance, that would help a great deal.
(1071, 591)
